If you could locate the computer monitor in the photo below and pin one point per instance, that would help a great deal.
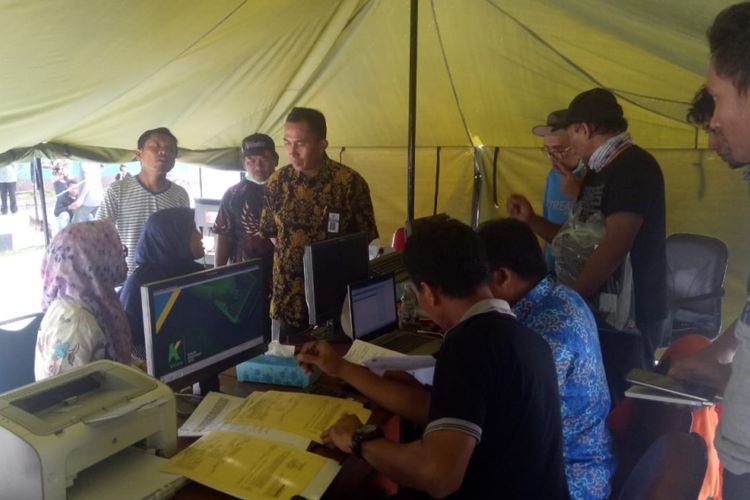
(330, 266)
(201, 324)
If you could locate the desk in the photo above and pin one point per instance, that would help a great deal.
(356, 479)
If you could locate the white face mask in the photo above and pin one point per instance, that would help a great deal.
(254, 181)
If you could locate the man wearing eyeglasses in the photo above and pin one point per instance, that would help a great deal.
(564, 178)
(624, 188)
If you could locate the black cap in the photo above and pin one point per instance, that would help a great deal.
(554, 123)
(593, 106)
(256, 144)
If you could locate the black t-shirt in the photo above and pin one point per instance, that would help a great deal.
(633, 182)
(495, 380)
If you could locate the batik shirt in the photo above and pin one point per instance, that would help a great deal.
(564, 320)
(299, 210)
(239, 219)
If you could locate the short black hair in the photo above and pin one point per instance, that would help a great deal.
(511, 243)
(729, 40)
(314, 119)
(615, 127)
(701, 109)
(446, 254)
(148, 133)
(71, 182)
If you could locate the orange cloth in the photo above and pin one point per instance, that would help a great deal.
(705, 420)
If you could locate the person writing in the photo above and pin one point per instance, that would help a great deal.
(493, 414)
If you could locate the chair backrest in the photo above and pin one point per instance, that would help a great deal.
(17, 351)
(399, 239)
(673, 467)
(696, 268)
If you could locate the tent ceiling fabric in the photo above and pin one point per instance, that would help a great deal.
(90, 77)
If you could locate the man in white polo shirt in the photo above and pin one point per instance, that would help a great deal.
(130, 201)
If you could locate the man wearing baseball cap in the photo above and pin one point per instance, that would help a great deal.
(564, 178)
(625, 184)
(238, 221)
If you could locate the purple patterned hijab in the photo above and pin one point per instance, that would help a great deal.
(83, 263)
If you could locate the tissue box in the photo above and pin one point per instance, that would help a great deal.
(274, 370)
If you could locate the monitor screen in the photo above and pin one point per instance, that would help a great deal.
(200, 324)
(330, 266)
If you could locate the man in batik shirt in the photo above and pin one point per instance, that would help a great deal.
(237, 226)
(312, 199)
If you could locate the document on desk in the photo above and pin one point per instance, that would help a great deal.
(360, 351)
(247, 467)
(380, 360)
(305, 414)
(210, 416)
(421, 368)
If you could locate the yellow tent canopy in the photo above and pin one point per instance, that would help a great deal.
(84, 78)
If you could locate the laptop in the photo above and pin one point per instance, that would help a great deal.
(374, 318)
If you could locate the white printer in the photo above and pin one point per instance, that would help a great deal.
(55, 429)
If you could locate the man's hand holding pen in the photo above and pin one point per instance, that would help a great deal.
(320, 353)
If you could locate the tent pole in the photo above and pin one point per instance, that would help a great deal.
(412, 109)
(477, 187)
(39, 183)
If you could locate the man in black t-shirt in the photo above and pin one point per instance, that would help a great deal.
(625, 184)
(493, 415)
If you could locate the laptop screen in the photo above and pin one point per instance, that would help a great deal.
(372, 306)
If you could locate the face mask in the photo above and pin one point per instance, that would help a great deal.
(252, 179)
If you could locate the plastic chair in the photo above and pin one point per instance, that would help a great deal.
(696, 268)
(399, 239)
(17, 351)
(672, 468)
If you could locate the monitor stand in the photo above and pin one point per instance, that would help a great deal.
(331, 331)
(206, 385)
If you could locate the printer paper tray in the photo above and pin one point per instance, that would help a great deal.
(127, 475)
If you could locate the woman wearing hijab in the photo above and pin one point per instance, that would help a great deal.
(83, 319)
(168, 247)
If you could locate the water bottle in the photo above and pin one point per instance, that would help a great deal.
(408, 311)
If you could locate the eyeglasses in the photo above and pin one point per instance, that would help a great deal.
(124, 251)
(555, 153)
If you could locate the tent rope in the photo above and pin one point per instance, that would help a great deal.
(619, 92)
(448, 71)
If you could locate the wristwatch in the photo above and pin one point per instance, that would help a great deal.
(365, 433)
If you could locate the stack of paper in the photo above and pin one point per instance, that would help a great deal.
(380, 360)
(248, 467)
(255, 447)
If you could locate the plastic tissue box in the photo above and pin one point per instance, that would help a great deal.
(274, 370)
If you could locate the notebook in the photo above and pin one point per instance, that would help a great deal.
(658, 387)
(374, 318)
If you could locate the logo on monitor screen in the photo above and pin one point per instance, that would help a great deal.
(174, 356)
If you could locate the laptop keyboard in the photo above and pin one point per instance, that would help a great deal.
(390, 263)
(405, 343)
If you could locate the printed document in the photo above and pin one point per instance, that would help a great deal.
(305, 414)
(210, 416)
(248, 467)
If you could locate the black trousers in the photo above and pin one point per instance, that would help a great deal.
(735, 487)
(8, 189)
